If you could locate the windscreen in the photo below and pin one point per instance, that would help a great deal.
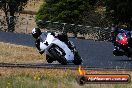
(122, 39)
(43, 36)
(120, 36)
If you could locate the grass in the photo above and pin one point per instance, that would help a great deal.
(10, 53)
(49, 78)
(40, 77)
(35, 78)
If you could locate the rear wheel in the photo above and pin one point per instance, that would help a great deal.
(77, 59)
(58, 54)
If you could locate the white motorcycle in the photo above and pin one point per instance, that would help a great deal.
(58, 50)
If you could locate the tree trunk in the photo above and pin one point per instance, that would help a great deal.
(10, 20)
(11, 24)
(5, 9)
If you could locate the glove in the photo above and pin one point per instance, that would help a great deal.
(54, 34)
(57, 34)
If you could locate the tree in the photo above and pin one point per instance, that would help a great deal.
(69, 11)
(10, 7)
(120, 11)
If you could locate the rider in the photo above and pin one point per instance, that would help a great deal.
(38, 35)
(115, 29)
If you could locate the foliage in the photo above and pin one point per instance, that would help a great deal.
(96, 19)
(120, 11)
(68, 11)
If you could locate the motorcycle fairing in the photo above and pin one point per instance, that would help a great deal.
(52, 40)
(69, 54)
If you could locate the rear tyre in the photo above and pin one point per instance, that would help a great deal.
(77, 59)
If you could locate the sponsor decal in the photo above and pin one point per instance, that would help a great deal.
(84, 78)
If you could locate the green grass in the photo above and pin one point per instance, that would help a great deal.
(50, 82)
(46, 78)
(37, 80)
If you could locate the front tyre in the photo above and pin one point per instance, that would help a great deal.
(130, 53)
(58, 55)
(49, 59)
(118, 53)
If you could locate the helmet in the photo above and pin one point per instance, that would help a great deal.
(36, 32)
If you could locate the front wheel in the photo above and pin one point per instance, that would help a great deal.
(118, 53)
(49, 59)
(130, 53)
(58, 54)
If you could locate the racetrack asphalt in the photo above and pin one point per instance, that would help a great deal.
(95, 54)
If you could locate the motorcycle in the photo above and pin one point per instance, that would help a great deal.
(57, 50)
(124, 44)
